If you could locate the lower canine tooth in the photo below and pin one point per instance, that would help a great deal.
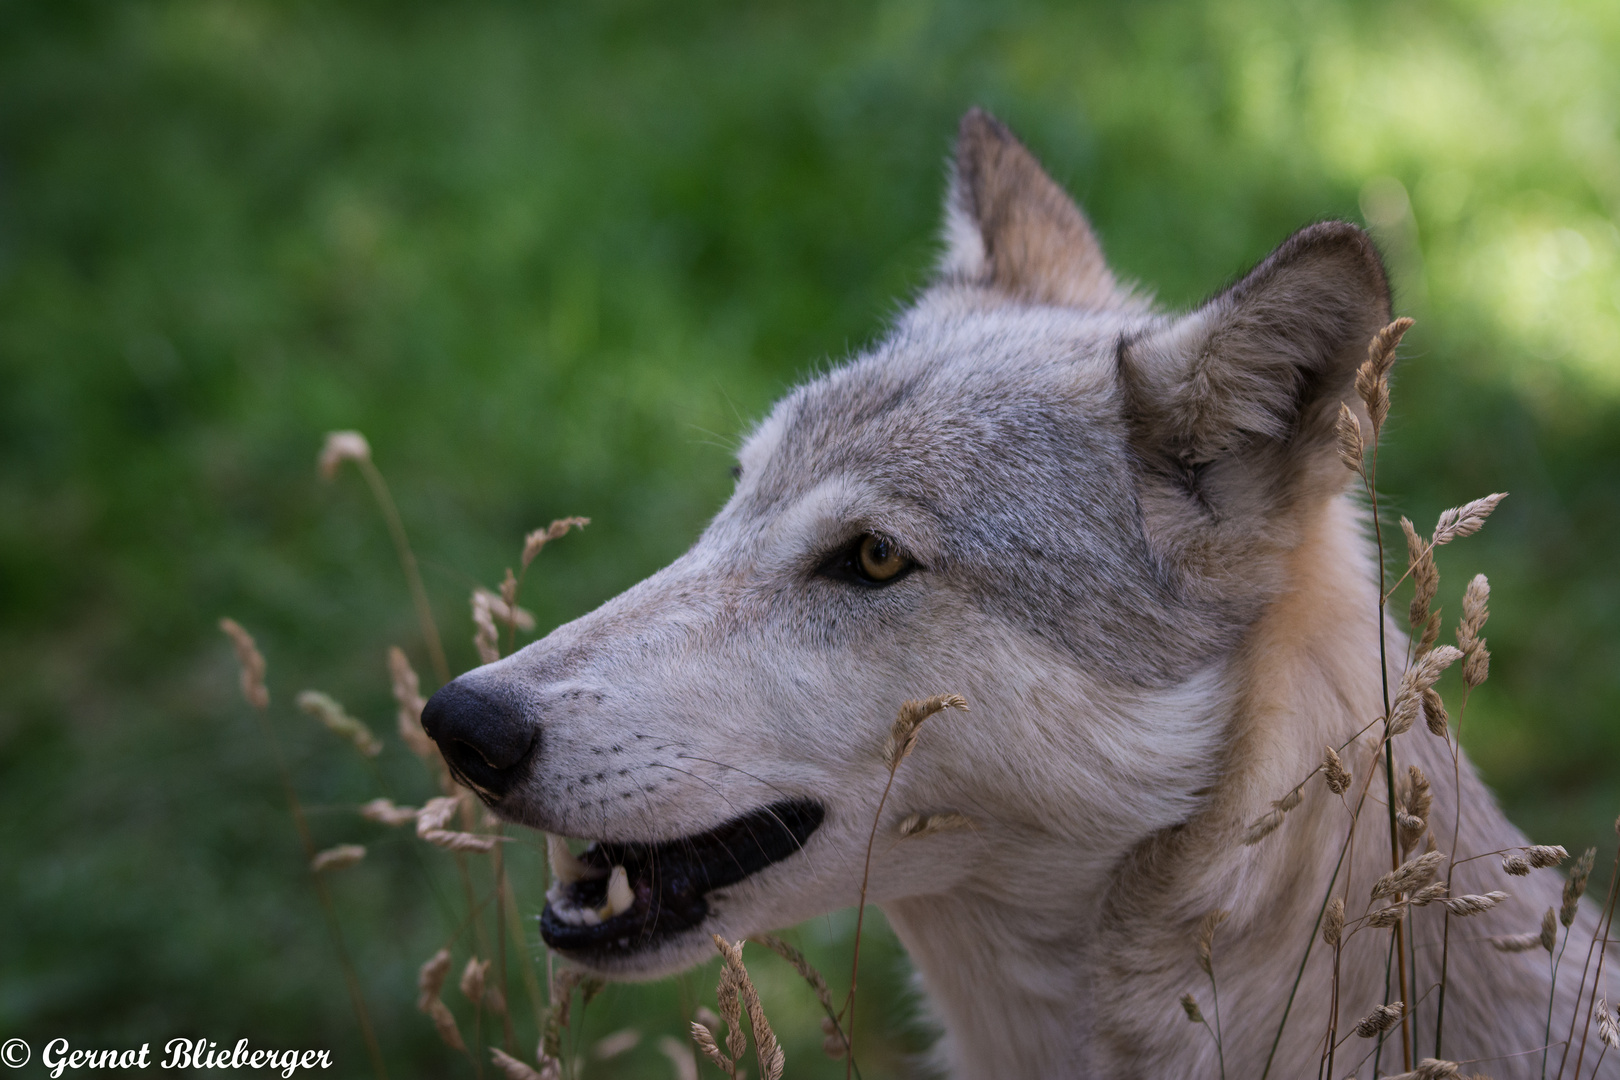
(565, 865)
(619, 896)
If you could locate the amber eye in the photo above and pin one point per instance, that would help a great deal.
(879, 558)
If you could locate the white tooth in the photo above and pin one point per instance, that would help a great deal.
(587, 917)
(619, 896)
(565, 865)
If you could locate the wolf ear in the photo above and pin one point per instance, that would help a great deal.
(1010, 227)
(1232, 407)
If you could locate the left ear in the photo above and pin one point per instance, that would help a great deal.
(1010, 228)
(1233, 406)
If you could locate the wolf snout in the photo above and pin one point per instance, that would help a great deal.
(485, 738)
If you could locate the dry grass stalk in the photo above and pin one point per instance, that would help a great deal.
(384, 812)
(1380, 1020)
(1575, 885)
(925, 824)
(541, 537)
(1409, 876)
(797, 961)
(251, 662)
(332, 716)
(1348, 431)
(903, 732)
(1465, 520)
(1420, 676)
(337, 858)
(407, 690)
(769, 1052)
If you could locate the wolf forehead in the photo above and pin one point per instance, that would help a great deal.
(991, 440)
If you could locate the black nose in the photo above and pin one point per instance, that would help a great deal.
(483, 737)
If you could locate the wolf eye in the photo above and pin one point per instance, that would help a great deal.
(877, 558)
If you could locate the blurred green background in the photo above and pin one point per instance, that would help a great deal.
(553, 259)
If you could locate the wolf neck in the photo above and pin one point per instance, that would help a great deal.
(1051, 993)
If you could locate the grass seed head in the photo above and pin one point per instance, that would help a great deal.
(333, 718)
(1189, 1005)
(1549, 931)
(680, 1057)
(1477, 667)
(1409, 876)
(1380, 1020)
(1425, 575)
(407, 689)
(1473, 904)
(384, 812)
(1542, 856)
(1516, 865)
(1334, 772)
(436, 814)
(1386, 917)
(1575, 885)
(1333, 922)
(1434, 712)
(1608, 1024)
(513, 1069)
(1423, 673)
(1464, 520)
(341, 446)
(337, 858)
(430, 978)
(541, 537)
(1205, 939)
(1476, 609)
(903, 732)
(451, 840)
(1348, 431)
(251, 662)
(473, 977)
(797, 961)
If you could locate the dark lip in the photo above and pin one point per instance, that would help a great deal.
(671, 880)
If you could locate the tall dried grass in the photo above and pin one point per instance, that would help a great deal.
(450, 823)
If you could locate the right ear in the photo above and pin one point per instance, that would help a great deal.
(1010, 228)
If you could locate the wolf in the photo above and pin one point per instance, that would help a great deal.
(1124, 536)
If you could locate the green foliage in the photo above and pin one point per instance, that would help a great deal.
(552, 260)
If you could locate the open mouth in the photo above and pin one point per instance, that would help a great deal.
(621, 897)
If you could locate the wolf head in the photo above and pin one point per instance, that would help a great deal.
(1037, 492)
